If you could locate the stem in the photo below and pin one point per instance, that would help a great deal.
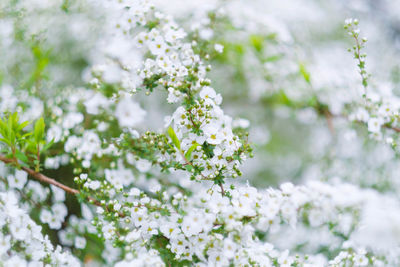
(38, 158)
(41, 177)
(364, 76)
(328, 115)
(222, 189)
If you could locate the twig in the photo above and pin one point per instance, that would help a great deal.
(328, 116)
(222, 189)
(41, 177)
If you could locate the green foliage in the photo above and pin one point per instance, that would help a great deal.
(174, 138)
(257, 42)
(188, 154)
(41, 61)
(24, 147)
(39, 130)
(303, 71)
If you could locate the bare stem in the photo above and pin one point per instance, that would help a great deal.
(222, 189)
(41, 177)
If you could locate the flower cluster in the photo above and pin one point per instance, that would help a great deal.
(21, 240)
(209, 228)
(131, 125)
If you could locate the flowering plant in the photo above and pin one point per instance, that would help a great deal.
(116, 148)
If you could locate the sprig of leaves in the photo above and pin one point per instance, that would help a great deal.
(24, 147)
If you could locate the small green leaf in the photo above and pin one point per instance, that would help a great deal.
(188, 153)
(174, 138)
(26, 135)
(5, 141)
(47, 146)
(3, 126)
(189, 168)
(39, 130)
(21, 156)
(257, 42)
(22, 125)
(303, 71)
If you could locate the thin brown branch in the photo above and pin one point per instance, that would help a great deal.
(41, 177)
(222, 189)
(396, 129)
(329, 116)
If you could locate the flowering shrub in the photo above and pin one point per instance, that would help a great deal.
(117, 148)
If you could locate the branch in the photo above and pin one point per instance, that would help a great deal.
(396, 129)
(41, 177)
(330, 115)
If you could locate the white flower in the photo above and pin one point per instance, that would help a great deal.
(219, 48)
(72, 119)
(143, 165)
(58, 194)
(374, 125)
(54, 133)
(208, 93)
(108, 231)
(59, 210)
(95, 102)
(213, 134)
(94, 185)
(19, 228)
(80, 242)
(158, 46)
(133, 236)
(150, 228)
(169, 230)
(16, 261)
(4, 243)
(45, 216)
(360, 260)
(129, 113)
(285, 260)
(18, 180)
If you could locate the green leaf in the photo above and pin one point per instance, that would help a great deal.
(5, 141)
(48, 145)
(39, 130)
(3, 127)
(174, 138)
(303, 71)
(189, 168)
(26, 135)
(21, 156)
(188, 153)
(10, 128)
(257, 42)
(22, 125)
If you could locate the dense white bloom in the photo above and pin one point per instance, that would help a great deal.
(129, 113)
(18, 180)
